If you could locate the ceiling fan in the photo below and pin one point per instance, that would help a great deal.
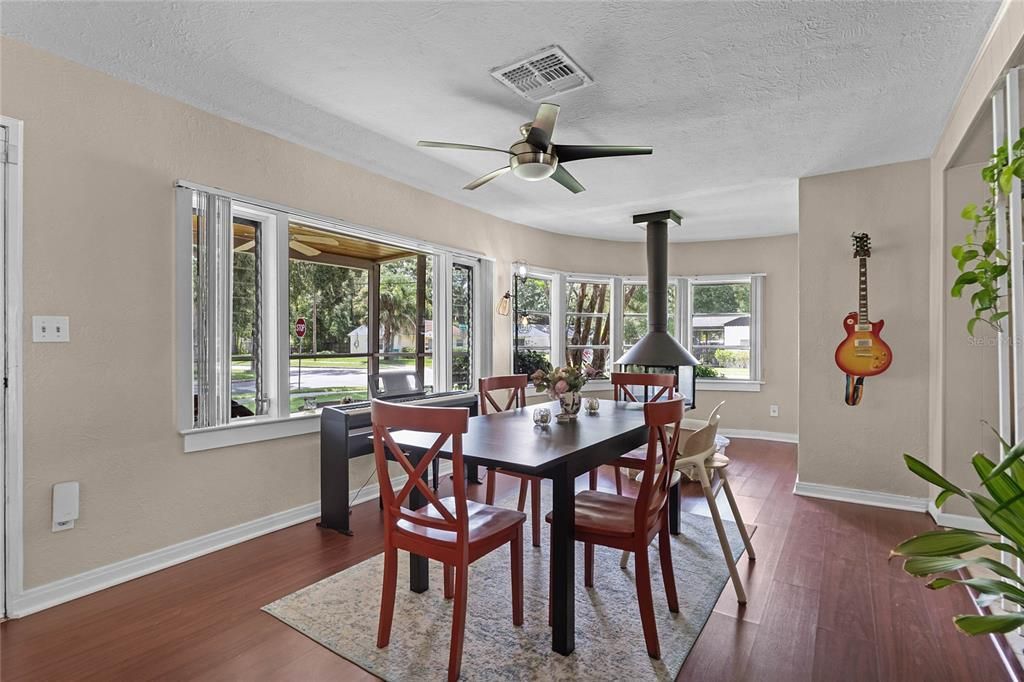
(535, 157)
(298, 242)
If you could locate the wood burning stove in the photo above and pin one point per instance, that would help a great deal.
(657, 352)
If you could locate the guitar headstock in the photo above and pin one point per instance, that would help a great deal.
(861, 245)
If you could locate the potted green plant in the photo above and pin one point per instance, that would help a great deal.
(982, 265)
(938, 554)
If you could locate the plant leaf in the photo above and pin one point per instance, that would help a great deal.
(1004, 522)
(984, 586)
(970, 325)
(941, 543)
(984, 625)
(1006, 179)
(922, 470)
(922, 566)
(969, 211)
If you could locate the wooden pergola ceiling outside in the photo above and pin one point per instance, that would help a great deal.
(319, 246)
(342, 245)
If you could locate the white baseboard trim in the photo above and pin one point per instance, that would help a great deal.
(51, 594)
(865, 497)
(778, 436)
(961, 521)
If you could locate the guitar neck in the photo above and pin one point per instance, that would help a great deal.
(862, 316)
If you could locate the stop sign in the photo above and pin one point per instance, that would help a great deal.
(300, 327)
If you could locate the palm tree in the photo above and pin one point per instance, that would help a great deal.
(397, 309)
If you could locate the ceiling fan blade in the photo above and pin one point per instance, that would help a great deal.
(566, 180)
(484, 179)
(543, 126)
(303, 248)
(315, 239)
(455, 145)
(576, 152)
(246, 246)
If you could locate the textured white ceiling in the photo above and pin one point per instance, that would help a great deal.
(739, 99)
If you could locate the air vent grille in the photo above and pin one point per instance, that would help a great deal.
(542, 75)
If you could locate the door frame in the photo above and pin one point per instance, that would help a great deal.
(11, 250)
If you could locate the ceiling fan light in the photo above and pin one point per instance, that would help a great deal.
(534, 171)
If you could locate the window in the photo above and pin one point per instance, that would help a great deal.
(405, 323)
(246, 313)
(588, 307)
(281, 314)
(634, 315)
(725, 326)
(532, 320)
(462, 327)
(328, 290)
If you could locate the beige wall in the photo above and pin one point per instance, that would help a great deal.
(777, 258)
(861, 447)
(101, 157)
(970, 363)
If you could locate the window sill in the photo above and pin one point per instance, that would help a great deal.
(251, 431)
(728, 385)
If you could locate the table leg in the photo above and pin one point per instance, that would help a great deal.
(473, 473)
(419, 568)
(673, 509)
(563, 563)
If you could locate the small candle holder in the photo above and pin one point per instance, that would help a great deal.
(542, 416)
(592, 406)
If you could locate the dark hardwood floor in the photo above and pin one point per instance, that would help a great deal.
(825, 604)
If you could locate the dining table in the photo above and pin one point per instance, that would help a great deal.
(557, 451)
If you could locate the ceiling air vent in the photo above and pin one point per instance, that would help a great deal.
(542, 75)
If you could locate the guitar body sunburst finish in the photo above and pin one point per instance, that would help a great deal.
(863, 353)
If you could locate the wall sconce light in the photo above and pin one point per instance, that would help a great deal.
(505, 304)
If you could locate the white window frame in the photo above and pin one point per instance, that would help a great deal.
(756, 281)
(614, 334)
(682, 329)
(279, 422)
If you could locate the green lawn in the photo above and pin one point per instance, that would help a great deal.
(732, 373)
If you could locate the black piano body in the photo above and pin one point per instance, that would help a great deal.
(345, 433)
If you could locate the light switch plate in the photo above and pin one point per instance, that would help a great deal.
(50, 329)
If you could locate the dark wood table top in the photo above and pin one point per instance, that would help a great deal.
(510, 439)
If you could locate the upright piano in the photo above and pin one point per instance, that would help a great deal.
(345, 432)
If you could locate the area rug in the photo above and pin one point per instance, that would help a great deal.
(341, 612)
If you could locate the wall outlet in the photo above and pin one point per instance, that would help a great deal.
(50, 329)
(773, 410)
(65, 505)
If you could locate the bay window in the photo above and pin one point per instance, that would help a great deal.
(588, 308)
(724, 328)
(282, 313)
(531, 321)
(589, 321)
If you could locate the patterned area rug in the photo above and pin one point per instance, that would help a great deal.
(340, 612)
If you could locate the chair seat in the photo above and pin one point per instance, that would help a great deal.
(717, 461)
(603, 513)
(485, 521)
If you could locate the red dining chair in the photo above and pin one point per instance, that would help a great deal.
(630, 524)
(452, 530)
(655, 387)
(515, 384)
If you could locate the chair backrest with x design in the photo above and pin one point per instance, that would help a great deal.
(446, 422)
(623, 381)
(515, 384)
(662, 444)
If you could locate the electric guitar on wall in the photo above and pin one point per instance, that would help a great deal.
(862, 353)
